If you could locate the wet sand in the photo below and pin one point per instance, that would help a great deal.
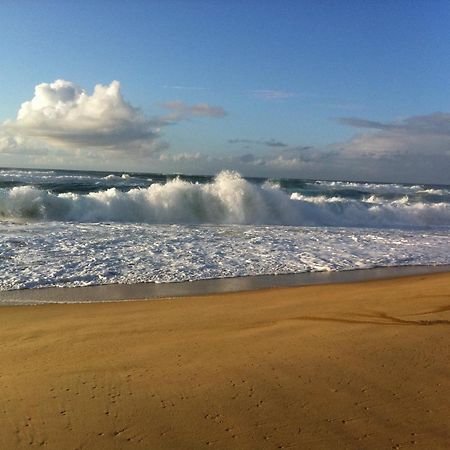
(139, 291)
(353, 365)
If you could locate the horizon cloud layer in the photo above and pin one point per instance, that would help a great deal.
(66, 126)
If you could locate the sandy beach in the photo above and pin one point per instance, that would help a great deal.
(356, 365)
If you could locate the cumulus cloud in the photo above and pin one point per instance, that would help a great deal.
(64, 124)
(182, 111)
(63, 114)
(10, 143)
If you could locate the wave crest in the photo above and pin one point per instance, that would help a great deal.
(228, 199)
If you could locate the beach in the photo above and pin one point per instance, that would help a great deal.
(352, 365)
(224, 225)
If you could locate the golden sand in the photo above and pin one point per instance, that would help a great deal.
(358, 366)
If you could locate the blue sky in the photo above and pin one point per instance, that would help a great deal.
(282, 72)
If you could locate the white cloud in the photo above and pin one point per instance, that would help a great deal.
(63, 124)
(9, 143)
(63, 114)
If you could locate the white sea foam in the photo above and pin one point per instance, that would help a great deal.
(111, 176)
(31, 176)
(380, 188)
(229, 199)
(75, 254)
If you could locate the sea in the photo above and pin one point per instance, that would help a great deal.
(76, 228)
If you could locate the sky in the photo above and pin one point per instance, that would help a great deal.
(306, 89)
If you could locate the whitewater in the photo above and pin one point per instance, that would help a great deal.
(73, 228)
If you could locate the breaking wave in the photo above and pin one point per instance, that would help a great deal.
(228, 199)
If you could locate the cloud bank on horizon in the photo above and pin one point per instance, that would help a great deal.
(65, 125)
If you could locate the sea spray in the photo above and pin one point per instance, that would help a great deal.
(228, 199)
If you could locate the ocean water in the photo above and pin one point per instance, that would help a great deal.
(73, 228)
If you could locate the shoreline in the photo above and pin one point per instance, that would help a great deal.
(352, 365)
(153, 291)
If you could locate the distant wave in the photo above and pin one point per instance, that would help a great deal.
(385, 188)
(124, 176)
(228, 199)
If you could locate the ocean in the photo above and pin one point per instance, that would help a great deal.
(76, 228)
